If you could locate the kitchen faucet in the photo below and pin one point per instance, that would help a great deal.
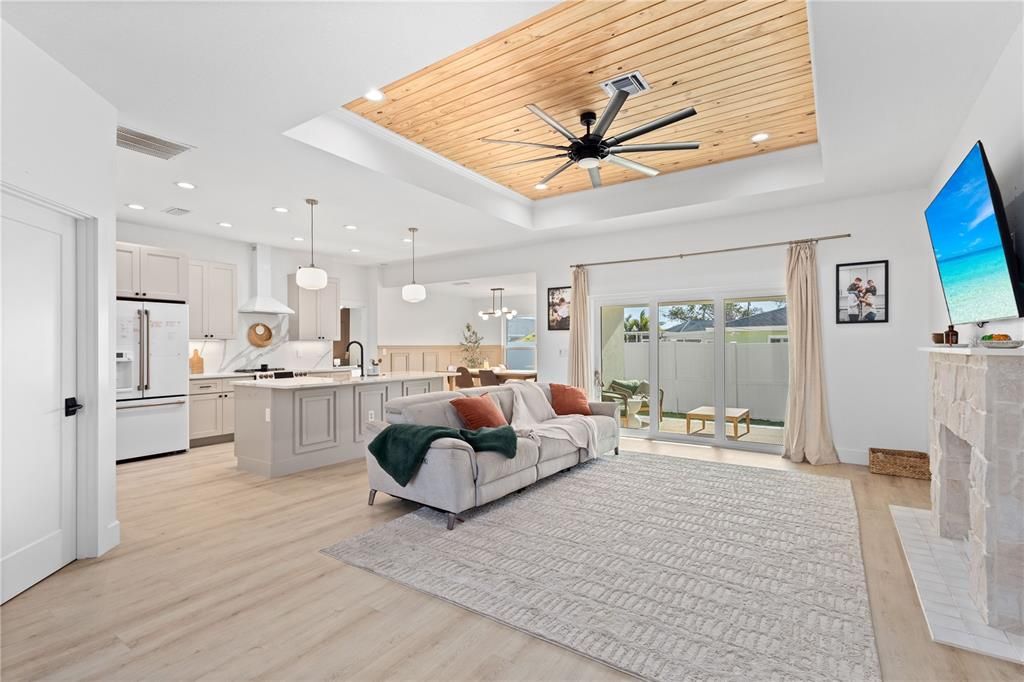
(362, 356)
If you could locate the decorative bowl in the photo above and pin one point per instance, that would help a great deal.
(1002, 344)
(937, 337)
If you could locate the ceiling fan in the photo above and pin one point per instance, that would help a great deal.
(589, 150)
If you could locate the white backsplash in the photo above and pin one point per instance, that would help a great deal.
(237, 353)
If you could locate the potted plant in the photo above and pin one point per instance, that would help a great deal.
(471, 353)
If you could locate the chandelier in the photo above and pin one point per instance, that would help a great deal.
(498, 307)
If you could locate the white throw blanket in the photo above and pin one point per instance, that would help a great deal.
(533, 417)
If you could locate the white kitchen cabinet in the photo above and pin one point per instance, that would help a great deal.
(369, 407)
(316, 316)
(127, 259)
(205, 415)
(227, 413)
(151, 273)
(213, 300)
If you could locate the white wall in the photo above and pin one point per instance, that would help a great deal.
(58, 145)
(358, 286)
(997, 119)
(876, 377)
(440, 319)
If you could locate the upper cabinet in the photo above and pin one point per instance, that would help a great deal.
(213, 300)
(317, 316)
(148, 272)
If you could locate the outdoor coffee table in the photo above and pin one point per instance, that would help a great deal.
(733, 415)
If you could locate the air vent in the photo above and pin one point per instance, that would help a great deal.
(149, 144)
(634, 83)
(460, 284)
(174, 210)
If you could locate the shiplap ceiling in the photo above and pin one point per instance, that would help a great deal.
(745, 65)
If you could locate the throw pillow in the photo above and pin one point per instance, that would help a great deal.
(569, 400)
(478, 412)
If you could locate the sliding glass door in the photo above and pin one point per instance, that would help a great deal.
(717, 375)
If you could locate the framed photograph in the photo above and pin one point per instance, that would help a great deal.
(559, 308)
(862, 292)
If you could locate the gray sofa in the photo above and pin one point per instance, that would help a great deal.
(454, 478)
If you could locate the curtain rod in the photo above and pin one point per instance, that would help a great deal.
(705, 253)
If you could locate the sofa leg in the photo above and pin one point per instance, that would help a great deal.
(451, 521)
(373, 494)
(616, 449)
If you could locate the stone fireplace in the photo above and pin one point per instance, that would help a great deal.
(977, 464)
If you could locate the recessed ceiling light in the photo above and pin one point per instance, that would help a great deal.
(185, 185)
(354, 250)
(280, 209)
(540, 185)
(298, 239)
(224, 224)
(136, 207)
(351, 227)
(759, 137)
(407, 240)
(374, 95)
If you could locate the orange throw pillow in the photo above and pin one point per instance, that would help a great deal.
(478, 412)
(569, 400)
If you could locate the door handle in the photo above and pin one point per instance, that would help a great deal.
(72, 406)
(142, 407)
(141, 351)
(148, 358)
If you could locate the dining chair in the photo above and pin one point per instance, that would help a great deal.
(464, 379)
(488, 378)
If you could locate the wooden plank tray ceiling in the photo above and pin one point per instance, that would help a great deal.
(745, 65)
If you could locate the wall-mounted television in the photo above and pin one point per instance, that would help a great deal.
(972, 245)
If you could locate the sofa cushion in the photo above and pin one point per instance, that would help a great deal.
(477, 412)
(550, 448)
(395, 409)
(503, 394)
(569, 400)
(433, 413)
(491, 466)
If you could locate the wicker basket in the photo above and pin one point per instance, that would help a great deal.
(908, 463)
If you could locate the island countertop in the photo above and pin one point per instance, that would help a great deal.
(319, 382)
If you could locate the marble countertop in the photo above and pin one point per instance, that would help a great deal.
(318, 382)
(236, 375)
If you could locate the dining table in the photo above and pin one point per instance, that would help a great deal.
(502, 374)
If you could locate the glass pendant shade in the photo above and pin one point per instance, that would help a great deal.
(414, 293)
(311, 277)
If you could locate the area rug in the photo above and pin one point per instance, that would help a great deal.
(662, 567)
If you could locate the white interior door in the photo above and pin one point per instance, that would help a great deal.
(37, 465)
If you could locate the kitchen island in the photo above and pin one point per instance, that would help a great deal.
(288, 425)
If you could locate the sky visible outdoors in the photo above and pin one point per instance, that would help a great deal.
(739, 309)
(961, 219)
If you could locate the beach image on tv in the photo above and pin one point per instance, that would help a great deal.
(969, 248)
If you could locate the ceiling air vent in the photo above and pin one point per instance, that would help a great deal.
(174, 210)
(634, 83)
(149, 144)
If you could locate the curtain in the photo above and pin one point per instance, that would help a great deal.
(808, 435)
(579, 332)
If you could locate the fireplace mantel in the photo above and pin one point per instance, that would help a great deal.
(975, 350)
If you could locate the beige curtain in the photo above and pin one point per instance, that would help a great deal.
(808, 435)
(579, 332)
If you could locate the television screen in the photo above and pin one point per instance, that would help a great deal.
(971, 240)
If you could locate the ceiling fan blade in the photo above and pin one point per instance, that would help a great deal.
(525, 144)
(558, 170)
(653, 125)
(632, 165)
(542, 115)
(543, 158)
(610, 112)
(595, 177)
(657, 147)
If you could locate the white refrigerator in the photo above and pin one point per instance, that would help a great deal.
(152, 378)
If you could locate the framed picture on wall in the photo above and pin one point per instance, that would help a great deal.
(559, 308)
(862, 292)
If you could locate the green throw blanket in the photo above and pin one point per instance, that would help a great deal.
(400, 448)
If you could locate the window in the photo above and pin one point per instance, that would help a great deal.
(521, 342)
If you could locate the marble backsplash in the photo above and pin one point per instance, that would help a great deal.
(231, 354)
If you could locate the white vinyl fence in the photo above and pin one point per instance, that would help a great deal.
(756, 375)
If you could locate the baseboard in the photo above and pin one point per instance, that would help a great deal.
(110, 538)
(853, 456)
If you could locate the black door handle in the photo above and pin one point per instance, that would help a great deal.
(71, 406)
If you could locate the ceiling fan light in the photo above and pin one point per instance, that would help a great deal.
(414, 293)
(589, 162)
(311, 277)
(759, 137)
(540, 185)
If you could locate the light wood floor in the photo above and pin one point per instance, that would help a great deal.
(219, 577)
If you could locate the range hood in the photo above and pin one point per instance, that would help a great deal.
(262, 301)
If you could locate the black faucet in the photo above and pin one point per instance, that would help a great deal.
(362, 356)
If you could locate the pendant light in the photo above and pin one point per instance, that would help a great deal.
(498, 307)
(311, 277)
(413, 293)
